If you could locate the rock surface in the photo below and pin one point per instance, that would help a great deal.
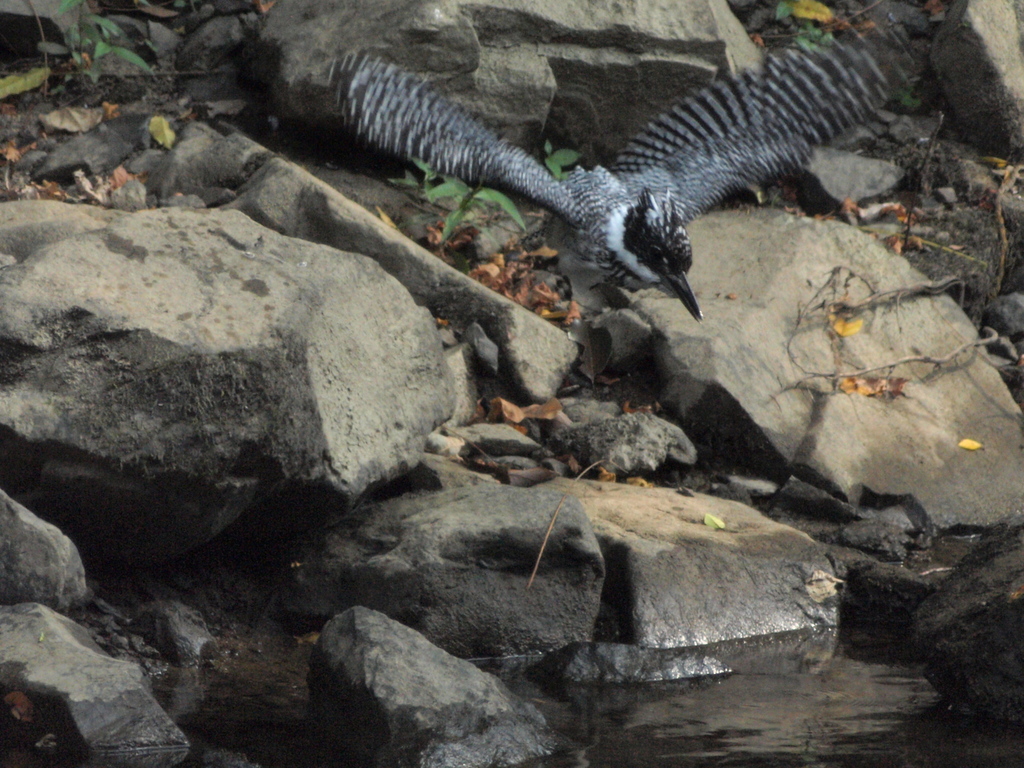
(38, 563)
(617, 663)
(630, 443)
(454, 566)
(53, 661)
(603, 71)
(732, 381)
(678, 581)
(535, 354)
(205, 364)
(393, 699)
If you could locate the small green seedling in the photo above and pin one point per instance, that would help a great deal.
(557, 160)
(91, 38)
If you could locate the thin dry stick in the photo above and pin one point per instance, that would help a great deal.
(924, 182)
(1010, 177)
(551, 525)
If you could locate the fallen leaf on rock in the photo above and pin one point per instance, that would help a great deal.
(969, 445)
(821, 586)
(119, 177)
(639, 482)
(385, 218)
(527, 478)
(504, 411)
(161, 131)
(110, 111)
(1017, 594)
(309, 638)
(605, 476)
(873, 387)
(844, 327)
(809, 9)
(72, 119)
(543, 252)
(711, 521)
(27, 81)
(934, 7)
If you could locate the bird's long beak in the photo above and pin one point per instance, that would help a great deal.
(681, 286)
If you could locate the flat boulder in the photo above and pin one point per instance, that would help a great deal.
(678, 579)
(178, 368)
(759, 382)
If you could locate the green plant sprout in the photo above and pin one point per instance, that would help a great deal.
(557, 160)
(435, 186)
(810, 37)
(91, 38)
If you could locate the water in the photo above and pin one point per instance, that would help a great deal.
(803, 703)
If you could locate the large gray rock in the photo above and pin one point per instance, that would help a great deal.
(980, 66)
(678, 581)
(178, 367)
(739, 382)
(38, 563)
(454, 566)
(51, 660)
(26, 225)
(630, 443)
(971, 631)
(603, 70)
(394, 700)
(535, 355)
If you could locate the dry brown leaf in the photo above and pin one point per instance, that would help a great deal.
(543, 252)
(933, 7)
(119, 177)
(639, 482)
(504, 411)
(72, 119)
(605, 476)
(887, 388)
(21, 707)
(110, 111)
(548, 410)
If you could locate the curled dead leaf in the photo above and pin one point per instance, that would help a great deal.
(873, 387)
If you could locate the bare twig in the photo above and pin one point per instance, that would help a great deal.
(1011, 175)
(544, 543)
(924, 181)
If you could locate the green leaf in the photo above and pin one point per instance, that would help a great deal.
(783, 10)
(450, 188)
(451, 221)
(494, 196)
(25, 82)
(408, 181)
(54, 49)
(161, 131)
(67, 5)
(713, 522)
(428, 172)
(102, 49)
(131, 57)
(547, 147)
(108, 26)
(564, 157)
(555, 168)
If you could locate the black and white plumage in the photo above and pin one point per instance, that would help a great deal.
(629, 220)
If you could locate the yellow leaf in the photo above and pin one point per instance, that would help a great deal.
(969, 445)
(161, 131)
(713, 522)
(639, 482)
(605, 476)
(847, 327)
(24, 82)
(385, 218)
(995, 162)
(811, 9)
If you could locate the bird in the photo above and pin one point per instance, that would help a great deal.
(629, 220)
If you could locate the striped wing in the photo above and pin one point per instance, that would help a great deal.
(754, 127)
(400, 114)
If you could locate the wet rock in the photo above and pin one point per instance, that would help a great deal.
(177, 631)
(72, 682)
(38, 563)
(970, 630)
(496, 55)
(26, 225)
(833, 175)
(393, 699)
(535, 355)
(885, 538)
(230, 361)
(681, 582)
(454, 566)
(732, 381)
(497, 440)
(878, 593)
(617, 663)
(203, 158)
(631, 338)
(799, 498)
(632, 442)
(977, 57)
